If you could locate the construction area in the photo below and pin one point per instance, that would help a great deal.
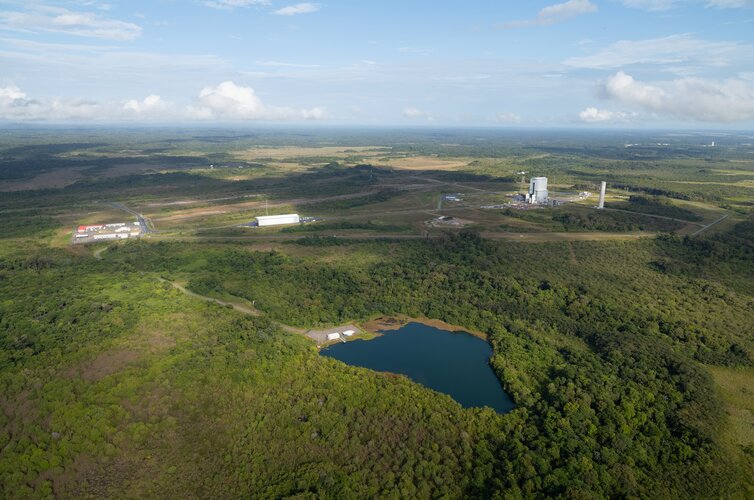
(336, 334)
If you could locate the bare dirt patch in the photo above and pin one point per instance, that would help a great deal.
(16, 409)
(425, 163)
(58, 178)
(128, 169)
(104, 364)
(320, 336)
(190, 215)
(293, 152)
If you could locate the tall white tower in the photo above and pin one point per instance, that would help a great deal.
(538, 190)
(603, 187)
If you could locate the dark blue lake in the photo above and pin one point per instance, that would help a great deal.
(454, 363)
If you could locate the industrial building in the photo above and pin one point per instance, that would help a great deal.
(537, 190)
(277, 220)
(102, 232)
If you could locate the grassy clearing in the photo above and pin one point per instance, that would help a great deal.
(736, 385)
(286, 152)
(425, 163)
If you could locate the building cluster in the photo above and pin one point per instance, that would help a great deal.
(100, 232)
(336, 335)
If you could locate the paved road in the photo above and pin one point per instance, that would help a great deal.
(651, 215)
(143, 222)
(320, 336)
(237, 307)
(523, 237)
(700, 231)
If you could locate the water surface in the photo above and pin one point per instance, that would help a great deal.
(454, 363)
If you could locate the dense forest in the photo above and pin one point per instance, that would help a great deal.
(612, 398)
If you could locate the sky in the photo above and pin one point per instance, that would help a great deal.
(579, 63)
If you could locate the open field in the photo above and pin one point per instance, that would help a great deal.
(737, 389)
(286, 152)
(424, 163)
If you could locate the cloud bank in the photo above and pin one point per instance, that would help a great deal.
(224, 102)
(412, 112)
(594, 115)
(695, 99)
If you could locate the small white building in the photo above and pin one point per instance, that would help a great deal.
(348, 333)
(333, 336)
(277, 220)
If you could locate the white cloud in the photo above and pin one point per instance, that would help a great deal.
(508, 118)
(16, 105)
(10, 94)
(594, 115)
(60, 20)
(412, 112)
(299, 8)
(232, 4)
(555, 14)
(228, 101)
(225, 102)
(675, 49)
(150, 103)
(686, 98)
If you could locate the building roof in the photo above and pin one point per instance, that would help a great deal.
(281, 216)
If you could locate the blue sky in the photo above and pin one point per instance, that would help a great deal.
(577, 63)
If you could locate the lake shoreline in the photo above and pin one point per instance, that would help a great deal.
(451, 362)
(382, 324)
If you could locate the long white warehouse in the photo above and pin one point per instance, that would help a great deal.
(277, 220)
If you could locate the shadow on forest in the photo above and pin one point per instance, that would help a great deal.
(331, 179)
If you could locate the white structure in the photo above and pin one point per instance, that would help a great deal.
(348, 333)
(277, 220)
(537, 190)
(333, 336)
(603, 187)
